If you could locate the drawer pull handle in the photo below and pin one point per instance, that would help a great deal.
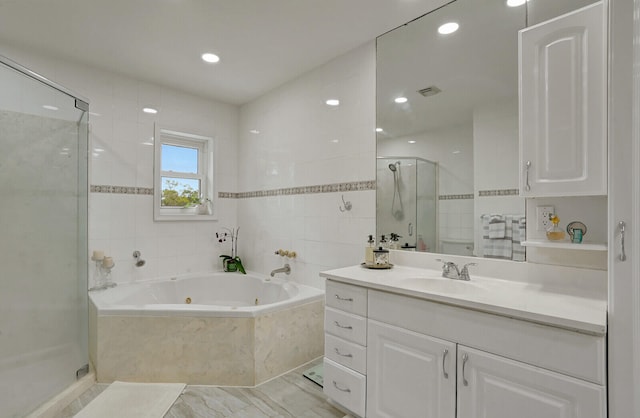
(344, 299)
(335, 385)
(444, 358)
(465, 357)
(342, 326)
(343, 355)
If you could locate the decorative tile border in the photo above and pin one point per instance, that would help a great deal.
(499, 192)
(100, 188)
(455, 196)
(321, 188)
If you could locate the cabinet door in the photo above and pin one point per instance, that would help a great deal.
(493, 386)
(563, 146)
(409, 374)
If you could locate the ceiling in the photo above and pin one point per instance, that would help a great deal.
(262, 43)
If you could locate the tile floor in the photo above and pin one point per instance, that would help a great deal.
(288, 396)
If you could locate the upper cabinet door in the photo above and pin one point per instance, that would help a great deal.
(563, 112)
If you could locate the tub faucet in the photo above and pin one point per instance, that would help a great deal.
(286, 270)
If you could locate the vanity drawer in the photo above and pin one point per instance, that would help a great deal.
(346, 297)
(345, 325)
(346, 353)
(345, 386)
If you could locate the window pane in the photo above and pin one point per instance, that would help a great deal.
(180, 192)
(179, 159)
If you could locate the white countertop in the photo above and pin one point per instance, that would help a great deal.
(535, 302)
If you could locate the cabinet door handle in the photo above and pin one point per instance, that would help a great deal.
(527, 186)
(342, 326)
(335, 385)
(444, 358)
(623, 256)
(343, 355)
(465, 357)
(344, 299)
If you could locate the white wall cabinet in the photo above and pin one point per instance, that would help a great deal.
(419, 362)
(563, 114)
(409, 374)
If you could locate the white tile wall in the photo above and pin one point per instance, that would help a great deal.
(119, 223)
(303, 142)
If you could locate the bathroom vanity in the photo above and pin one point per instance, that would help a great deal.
(406, 342)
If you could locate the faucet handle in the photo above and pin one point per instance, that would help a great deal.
(464, 272)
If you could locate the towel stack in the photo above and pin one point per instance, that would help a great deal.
(501, 236)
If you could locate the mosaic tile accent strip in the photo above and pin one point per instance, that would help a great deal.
(455, 196)
(354, 186)
(101, 188)
(499, 192)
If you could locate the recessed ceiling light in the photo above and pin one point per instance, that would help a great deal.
(333, 102)
(335, 141)
(516, 3)
(456, 152)
(150, 110)
(98, 149)
(411, 142)
(378, 129)
(400, 100)
(448, 28)
(254, 131)
(49, 107)
(210, 58)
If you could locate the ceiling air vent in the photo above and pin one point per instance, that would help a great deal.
(429, 91)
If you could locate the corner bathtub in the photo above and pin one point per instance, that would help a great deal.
(217, 329)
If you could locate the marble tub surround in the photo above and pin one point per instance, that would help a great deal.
(205, 350)
(573, 300)
(287, 396)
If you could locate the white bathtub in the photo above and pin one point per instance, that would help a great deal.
(237, 330)
(212, 295)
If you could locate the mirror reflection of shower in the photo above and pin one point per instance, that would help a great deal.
(407, 201)
(397, 210)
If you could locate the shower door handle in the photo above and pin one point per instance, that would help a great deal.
(410, 229)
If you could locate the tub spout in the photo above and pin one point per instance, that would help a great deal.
(286, 270)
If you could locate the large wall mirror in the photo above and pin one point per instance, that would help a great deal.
(447, 128)
(447, 140)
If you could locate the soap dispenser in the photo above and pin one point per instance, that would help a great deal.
(384, 243)
(368, 251)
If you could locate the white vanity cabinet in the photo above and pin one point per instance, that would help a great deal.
(433, 360)
(563, 113)
(345, 361)
(410, 374)
(496, 387)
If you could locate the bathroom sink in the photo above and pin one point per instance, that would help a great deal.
(441, 285)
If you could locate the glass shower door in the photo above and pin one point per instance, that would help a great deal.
(43, 241)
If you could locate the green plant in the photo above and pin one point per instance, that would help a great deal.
(232, 264)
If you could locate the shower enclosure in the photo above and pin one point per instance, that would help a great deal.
(407, 201)
(43, 243)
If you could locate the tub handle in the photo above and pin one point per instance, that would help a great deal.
(344, 299)
(335, 385)
(343, 355)
(342, 326)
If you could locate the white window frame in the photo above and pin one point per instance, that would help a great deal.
(206, 153)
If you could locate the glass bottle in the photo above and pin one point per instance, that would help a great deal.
(554, 232)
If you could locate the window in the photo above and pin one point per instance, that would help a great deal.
(183, 176)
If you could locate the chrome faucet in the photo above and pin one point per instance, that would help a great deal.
(286, 270)
(450, 270)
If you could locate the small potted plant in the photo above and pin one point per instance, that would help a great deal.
(231, 263)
